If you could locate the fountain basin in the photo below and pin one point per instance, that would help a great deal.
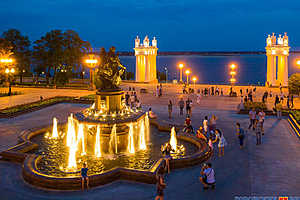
(34, 176)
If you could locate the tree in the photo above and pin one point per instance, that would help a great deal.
(21, 50)
(5, 52)
(294, 84)
(161, 76)
(57, 50)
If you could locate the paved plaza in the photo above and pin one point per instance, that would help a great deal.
(268, 170)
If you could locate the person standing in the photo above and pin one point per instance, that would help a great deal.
(188, 106)
(276, 101)
(181, 106)
(213, 123)
(258, 131)
(261, 119)
(205, 125)
(127, 98)
(160, 90)
(241, 134)
(161, 185)
(198, 98)
(222, 142)
(170, 109)
(241, 92)
(84, 176)
(252, 117)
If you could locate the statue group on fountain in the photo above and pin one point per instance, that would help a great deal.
(108, 75)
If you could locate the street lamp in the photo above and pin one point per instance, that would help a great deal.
(91, 63)
(180, 72)
(166, 69)
(187, 72)
(298, 63)
(9, 73)
(194, 80)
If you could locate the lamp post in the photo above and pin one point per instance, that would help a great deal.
(194, 80)
(180, 72)
(187, 72)
(8, 71)
(298, 63)
(166, 69)
(232, 73)
(91, 63)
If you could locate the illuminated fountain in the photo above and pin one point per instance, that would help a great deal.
(108, 135)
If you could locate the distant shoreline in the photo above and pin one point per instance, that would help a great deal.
(202, 53)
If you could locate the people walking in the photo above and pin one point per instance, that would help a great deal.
(170, 109)
(261, 119)
(241, 134)
(252, 117)
(181, 106)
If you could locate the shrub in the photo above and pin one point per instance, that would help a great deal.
(256, 105)
(294, 84)
(22, 107)
(296, 114)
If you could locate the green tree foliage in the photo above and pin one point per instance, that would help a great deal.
(161, 76)
(20, 48)
(294, 84)
(127, 76)
(5, 52)
(57, 50)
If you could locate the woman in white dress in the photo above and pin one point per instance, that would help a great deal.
(222, 142)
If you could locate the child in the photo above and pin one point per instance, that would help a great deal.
(84, 176)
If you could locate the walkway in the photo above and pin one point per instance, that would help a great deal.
(269, 170)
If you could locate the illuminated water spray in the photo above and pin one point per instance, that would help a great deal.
(142, 140)
(147, 128)
(130, 139)
(113, 141)
(173, 139)
(54, 130)
(97, 143)
(81, 139)
(72, 144)
(71, 134)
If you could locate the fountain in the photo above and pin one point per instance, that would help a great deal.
(112, 138)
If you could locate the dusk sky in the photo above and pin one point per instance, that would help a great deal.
(188, 25)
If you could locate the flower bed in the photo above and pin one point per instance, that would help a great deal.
(294, 121)
(5, 94)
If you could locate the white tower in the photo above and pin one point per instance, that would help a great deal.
(277, 60)
(145, 69)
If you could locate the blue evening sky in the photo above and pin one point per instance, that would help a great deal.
(189, 25)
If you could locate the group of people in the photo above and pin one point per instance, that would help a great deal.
(158, 92)
(132, 100)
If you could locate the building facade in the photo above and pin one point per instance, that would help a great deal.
(277, 51)
(145, 70)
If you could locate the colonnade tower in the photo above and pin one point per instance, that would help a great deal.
(145, 70)
(277, 51)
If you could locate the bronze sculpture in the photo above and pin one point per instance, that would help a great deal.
(108, 74)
